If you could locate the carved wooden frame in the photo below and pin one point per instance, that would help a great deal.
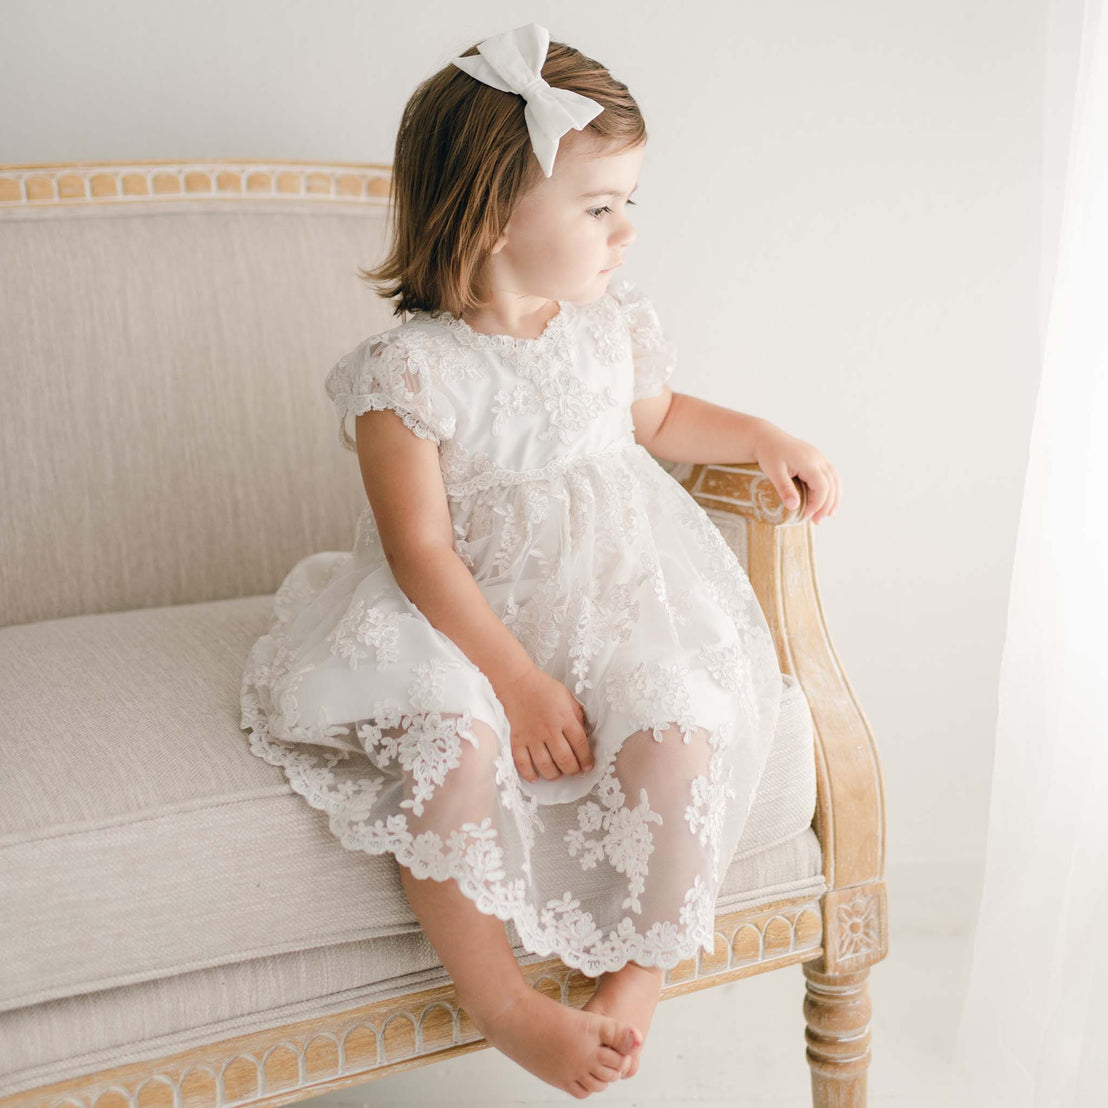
(835, 937)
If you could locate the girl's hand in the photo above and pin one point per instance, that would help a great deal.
(783, 457)
(550, 734)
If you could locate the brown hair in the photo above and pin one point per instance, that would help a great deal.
(463, 161)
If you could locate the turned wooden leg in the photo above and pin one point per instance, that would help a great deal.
(837, 1011)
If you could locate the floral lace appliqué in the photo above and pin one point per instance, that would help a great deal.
(627, 842)
(652, 694)
(366, 629)
(706, 813)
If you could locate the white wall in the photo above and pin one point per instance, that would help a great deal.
(839, 222)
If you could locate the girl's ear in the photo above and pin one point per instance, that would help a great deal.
(500, 242)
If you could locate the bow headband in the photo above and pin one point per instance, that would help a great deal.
(512, 62)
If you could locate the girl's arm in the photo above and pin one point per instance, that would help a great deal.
(677, 427)
(403, 481)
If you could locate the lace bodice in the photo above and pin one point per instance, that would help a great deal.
(503, 409)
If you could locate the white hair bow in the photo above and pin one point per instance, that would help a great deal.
(512, 62)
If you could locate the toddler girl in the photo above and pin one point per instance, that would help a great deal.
(541, 679)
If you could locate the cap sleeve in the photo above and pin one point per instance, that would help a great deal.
(653, 356)
(389, 371)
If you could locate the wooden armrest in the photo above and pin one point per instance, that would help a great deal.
(850, 800)
(740, 488)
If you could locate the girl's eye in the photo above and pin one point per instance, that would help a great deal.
(596, 213)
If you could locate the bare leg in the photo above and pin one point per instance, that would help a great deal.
(665, 770)
(472, 946)
(576, 1051)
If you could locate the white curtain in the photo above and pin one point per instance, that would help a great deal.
(1033, 1031)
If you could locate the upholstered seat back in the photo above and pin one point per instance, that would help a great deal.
(164, 433)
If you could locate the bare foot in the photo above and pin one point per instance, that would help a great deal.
(630, 994)
(576, 1051)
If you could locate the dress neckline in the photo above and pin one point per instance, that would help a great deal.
(554, 328)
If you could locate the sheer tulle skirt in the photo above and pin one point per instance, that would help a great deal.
(379, 720)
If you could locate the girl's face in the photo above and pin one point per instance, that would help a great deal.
(571, 227)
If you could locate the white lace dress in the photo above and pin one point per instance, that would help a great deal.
(616, 583)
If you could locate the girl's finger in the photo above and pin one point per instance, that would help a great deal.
(586, 723)
(836, 489)
(563, 754)
(582, 718)
(820, 484)
(782, 481)
(525, 765)
(579, 743)
(540, 755)
(833, 503)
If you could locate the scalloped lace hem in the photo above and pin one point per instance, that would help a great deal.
(561, 920)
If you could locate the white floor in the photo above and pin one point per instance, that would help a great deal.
(741, 1045)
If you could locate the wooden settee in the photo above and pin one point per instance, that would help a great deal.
(179, 928)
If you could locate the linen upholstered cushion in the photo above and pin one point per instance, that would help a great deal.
(172, 882)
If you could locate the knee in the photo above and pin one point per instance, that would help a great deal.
(666, 769)
(448, 773)
(478, 751)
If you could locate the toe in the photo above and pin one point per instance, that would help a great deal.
(593, 1084)
(624, 1037)
(609, 1057)
(606, 1073)
(578, 1090)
